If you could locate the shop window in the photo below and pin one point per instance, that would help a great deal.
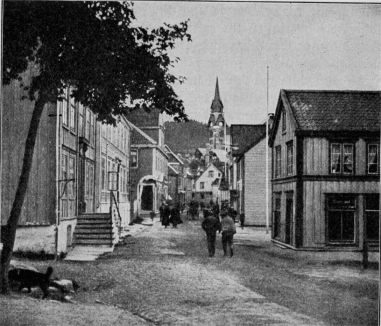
(341, 218)
(372, 214)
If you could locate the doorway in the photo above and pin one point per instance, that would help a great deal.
(289, 217)
(147, 198)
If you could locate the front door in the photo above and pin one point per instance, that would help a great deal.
(147, 198)
(289, 216)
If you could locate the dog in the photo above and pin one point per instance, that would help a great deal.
(29, 278)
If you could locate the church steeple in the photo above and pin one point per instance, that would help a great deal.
(217, 105)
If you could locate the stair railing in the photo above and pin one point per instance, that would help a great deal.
(118, 221)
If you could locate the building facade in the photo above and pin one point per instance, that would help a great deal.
(325, 170)
(149, 162)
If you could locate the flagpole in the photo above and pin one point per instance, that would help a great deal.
(267, 153)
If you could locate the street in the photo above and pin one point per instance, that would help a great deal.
(165, 277)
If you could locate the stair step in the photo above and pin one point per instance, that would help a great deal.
(93, 242)
(94, 222)
(94, 215)
(94, 236)
(92, 230)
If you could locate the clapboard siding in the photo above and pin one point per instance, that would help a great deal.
(39, 203)
(255, 185)
(314, 205)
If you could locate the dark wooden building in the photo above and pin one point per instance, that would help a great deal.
(326, 170)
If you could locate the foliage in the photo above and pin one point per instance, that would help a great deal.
(94, 47)
(186, 137)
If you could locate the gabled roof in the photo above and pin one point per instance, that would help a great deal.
(172, 170)
(330, 111)
(246, 136)
(172, 154)
(142, 118)
(221, 154)
(139, 137)
(216, 182)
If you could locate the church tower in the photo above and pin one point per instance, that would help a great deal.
(217, 122)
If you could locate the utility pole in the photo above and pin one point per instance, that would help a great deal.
(267, 152)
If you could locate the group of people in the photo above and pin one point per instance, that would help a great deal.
(211, 224)
(170, 214)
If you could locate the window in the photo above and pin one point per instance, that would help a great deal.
(91, 139)
(87, 127)
(342, 158)
(341, 218)
(276, 214)
(202, 185)
(283, 120)
(80, 120)
(65, 110)
(103, 174)
(67, 184)
(372, 214)
(72, 116)
(373, 159)
(278, 161)
(290, 158)
(211, 174)
(134, 158)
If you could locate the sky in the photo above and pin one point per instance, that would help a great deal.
(305, 45)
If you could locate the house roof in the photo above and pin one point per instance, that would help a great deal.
(330, 111)
(172, 154)
(221, 154)
(142, 118)
(246, 136)
(138, 136)
(216, 182)
(172, 170)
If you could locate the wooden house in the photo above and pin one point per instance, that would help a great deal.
(250, 161)
(326, 170)
(176, 176)
(64, 204)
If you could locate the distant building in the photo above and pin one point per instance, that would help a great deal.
(149, 161)
(326, 169)
(176, 177)
(207, 184)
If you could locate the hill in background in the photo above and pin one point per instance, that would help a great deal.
(185, 137)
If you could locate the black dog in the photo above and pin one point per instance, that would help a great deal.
(28, 279)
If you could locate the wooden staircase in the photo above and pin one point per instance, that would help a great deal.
(94, 229)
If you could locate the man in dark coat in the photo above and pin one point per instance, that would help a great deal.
(211, 225)
(166, 214)
(175, 215)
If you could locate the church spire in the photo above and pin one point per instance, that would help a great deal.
(217, 105)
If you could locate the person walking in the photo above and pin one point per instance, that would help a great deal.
(242, 219)
(166, 214)
(228, 231)
(175, 215)
(211, 225)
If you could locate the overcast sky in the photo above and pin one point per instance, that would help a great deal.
(306, 46)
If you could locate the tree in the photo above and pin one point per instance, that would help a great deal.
(95, 48)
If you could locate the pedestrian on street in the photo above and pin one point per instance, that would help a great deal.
(166, 215)
(175, 215)
(242, 219)
(161, 210)
(211, 225)
(228, 231)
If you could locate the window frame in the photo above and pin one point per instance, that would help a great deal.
(290, 158)
(134, 153)
(377, 157)
(284, 124)
(278, 162)
(341, 153)
(202, 185)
